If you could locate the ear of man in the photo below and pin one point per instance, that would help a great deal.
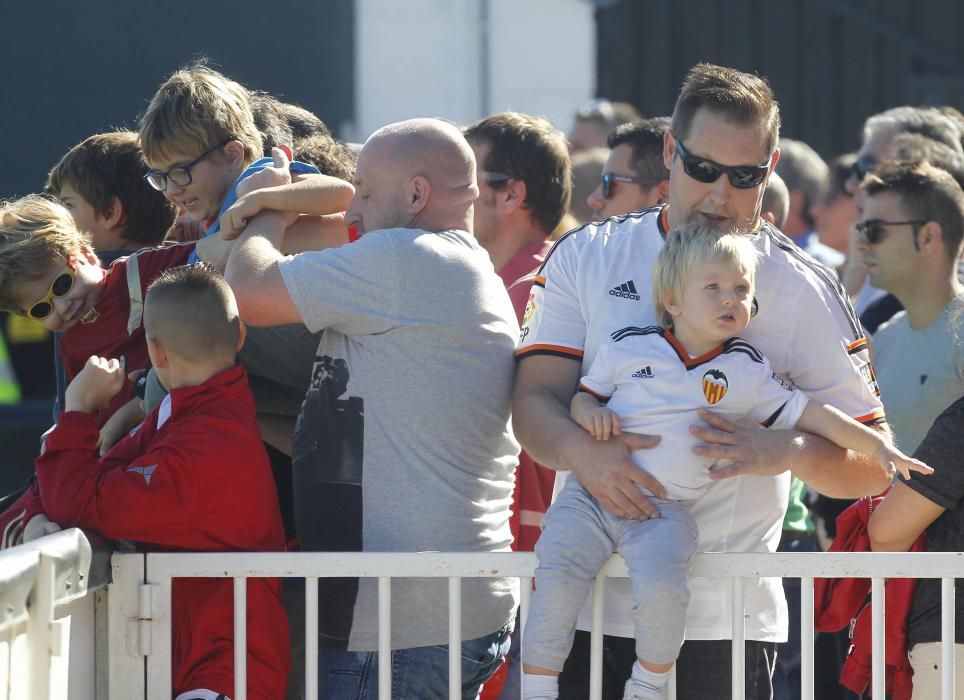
(930, 243)
(512, 197)
(420, 189)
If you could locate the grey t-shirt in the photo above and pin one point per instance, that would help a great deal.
(943, 449)
(403, 443)
(920, 372)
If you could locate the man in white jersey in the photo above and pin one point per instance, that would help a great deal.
(597, 279)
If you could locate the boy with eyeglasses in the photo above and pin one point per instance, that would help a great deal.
(49, 272)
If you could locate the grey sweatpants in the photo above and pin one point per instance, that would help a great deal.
(578, 537)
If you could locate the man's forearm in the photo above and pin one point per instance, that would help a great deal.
(256, 250)
(252, 271)
(546, 431)
(832, 470)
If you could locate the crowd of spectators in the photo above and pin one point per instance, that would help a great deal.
(407, 346)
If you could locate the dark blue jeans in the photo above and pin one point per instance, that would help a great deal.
(417, 673)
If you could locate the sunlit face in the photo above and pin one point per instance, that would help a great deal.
(715, 306)
(379, 194)
(892, 261)
(624, 196)
(718, 204)
(70, 308)
(211, 180)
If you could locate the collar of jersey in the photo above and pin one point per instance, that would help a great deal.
(684, 356)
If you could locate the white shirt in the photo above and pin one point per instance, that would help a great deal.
(654, 386)
(597, 279)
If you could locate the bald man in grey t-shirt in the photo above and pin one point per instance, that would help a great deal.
(403, 442)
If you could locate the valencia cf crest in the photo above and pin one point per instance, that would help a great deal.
(714, 385)
(530, 309)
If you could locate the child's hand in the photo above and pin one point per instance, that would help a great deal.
(95, 385)
(600, 422)
(892, 459)
(239, 214)
(279, 173)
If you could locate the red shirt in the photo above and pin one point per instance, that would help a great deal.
(107, 336)
(534, 483)
(194, 476)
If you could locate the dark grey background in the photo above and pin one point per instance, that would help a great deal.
(69, 69)
(831, 63)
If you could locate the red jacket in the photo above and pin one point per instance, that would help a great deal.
(838, 601)
(193, 476)
(116, 331)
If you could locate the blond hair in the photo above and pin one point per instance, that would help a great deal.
(35, 233)
(196, 109)
(691, 245)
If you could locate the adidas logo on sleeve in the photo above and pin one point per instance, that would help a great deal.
(644, 373)
(626, 290)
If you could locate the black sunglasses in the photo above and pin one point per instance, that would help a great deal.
(742, 177)
(873, 229)
(609, 178)
(862, 166)
(180, 175)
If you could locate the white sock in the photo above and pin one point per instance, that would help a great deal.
(539, 687)
(649, 679)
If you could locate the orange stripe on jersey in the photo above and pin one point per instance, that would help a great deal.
(857, 346)
(541, 349)
(540, 280)
(872, 417)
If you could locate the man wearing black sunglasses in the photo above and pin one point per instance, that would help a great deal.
(909, 240)
(720, 152)
(634, 176)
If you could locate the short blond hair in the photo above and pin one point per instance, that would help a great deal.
(35, 233)
(689, 245)
(196, 109)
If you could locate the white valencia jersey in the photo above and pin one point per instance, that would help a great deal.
(597, 279)
(649, 380)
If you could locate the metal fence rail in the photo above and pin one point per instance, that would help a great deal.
(161, 568)
(45, 586)
(63, 634)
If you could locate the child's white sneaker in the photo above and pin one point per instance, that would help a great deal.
(637, 691)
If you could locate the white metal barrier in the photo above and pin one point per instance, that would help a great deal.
(121, 637)
(48, 617)
(161, 568)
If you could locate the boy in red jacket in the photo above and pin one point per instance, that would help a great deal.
(49, 272)
(193, 476)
